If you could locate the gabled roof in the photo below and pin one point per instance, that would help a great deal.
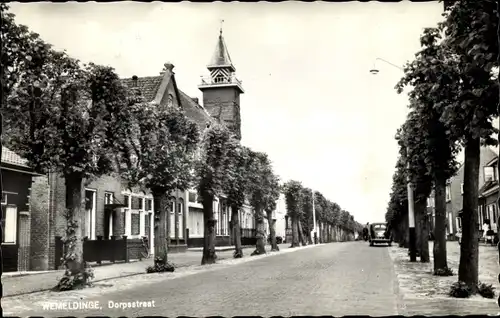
(150, 87)
(10, 157)
(221, 56)
(195, 111)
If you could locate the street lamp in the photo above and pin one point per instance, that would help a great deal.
(409, 184)
(315, 235)
(375, 70)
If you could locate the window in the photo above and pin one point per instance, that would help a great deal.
(448, 193)
(149, 205)
(108, 198)
(489, 173)
(135, 223)
(170, 102)
(180, 206)
(459, 222)
(126, 200)
(495, 213)
(4, 198)
(198, 227)
(9, 224)
(192, 197)
(462, 188)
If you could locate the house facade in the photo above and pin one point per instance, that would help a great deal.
(18, 222)
(454, 194)
(488, 196)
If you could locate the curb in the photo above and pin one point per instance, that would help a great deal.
(219, 262)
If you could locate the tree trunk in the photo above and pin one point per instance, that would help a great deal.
(309, 235)
(75, 229)
(424, 231)
(295, 232)
(272, 231)
(439, 251)
(469, 261)
(418, 229)
(160, 229)
(238, 250)
(260, 245)
(301, 235)
(209, 255)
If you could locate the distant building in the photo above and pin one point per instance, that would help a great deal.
(454, 193)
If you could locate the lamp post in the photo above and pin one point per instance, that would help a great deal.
(315, 235)
(411, 202)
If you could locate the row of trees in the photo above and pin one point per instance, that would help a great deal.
(79, 121)
(333, 223)
(454, 98)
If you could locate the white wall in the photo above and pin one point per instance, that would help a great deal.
(280, 216)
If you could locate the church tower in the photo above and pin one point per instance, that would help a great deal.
(221, 90)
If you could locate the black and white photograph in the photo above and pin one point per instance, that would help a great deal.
(250, 158)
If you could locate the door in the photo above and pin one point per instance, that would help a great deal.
(10, 246)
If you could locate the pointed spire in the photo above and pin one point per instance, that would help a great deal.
(221, 57)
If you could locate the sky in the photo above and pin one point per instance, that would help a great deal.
(310, 101)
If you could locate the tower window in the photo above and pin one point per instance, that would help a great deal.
(170, 102)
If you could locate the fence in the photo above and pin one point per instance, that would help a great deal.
(99, 250)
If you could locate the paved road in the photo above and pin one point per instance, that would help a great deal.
(333, 279)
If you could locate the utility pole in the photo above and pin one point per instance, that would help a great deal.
(315, 236)
(411, 219)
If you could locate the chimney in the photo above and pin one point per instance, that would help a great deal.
(134, 80)
(167, 67)
(196, 100)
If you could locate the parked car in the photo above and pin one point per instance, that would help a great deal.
(378, 233)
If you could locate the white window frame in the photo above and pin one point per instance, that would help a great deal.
(135, 212)
(111, 201)
(180, 212)
(128, 214)
(4, 199)
(448, 193)
(10, 208)
(462, 188)
(93, 215)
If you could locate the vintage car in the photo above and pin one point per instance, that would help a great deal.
(378, 234)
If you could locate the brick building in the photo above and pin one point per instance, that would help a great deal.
(454, 195)
(17, 222)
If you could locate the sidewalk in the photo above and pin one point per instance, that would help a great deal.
(40, 281)
(422, 293)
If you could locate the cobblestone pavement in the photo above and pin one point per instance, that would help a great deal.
(332, 279)
(422, 293)
(18, 285)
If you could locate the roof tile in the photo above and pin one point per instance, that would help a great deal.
(10, 157)
(148, 85)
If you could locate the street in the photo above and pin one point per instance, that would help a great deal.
(333, 279)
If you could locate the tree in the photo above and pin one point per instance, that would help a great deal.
(213, 172)
(429, 76)
(412, 139)
(293, 198)
(236, 189)
(471, 37)
(272, 183)
(263, 192)
(307, 218)
(159, 155)
(65, 118)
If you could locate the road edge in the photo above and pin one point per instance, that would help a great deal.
(226, 261)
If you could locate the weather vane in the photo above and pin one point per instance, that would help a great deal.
(221, 22)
